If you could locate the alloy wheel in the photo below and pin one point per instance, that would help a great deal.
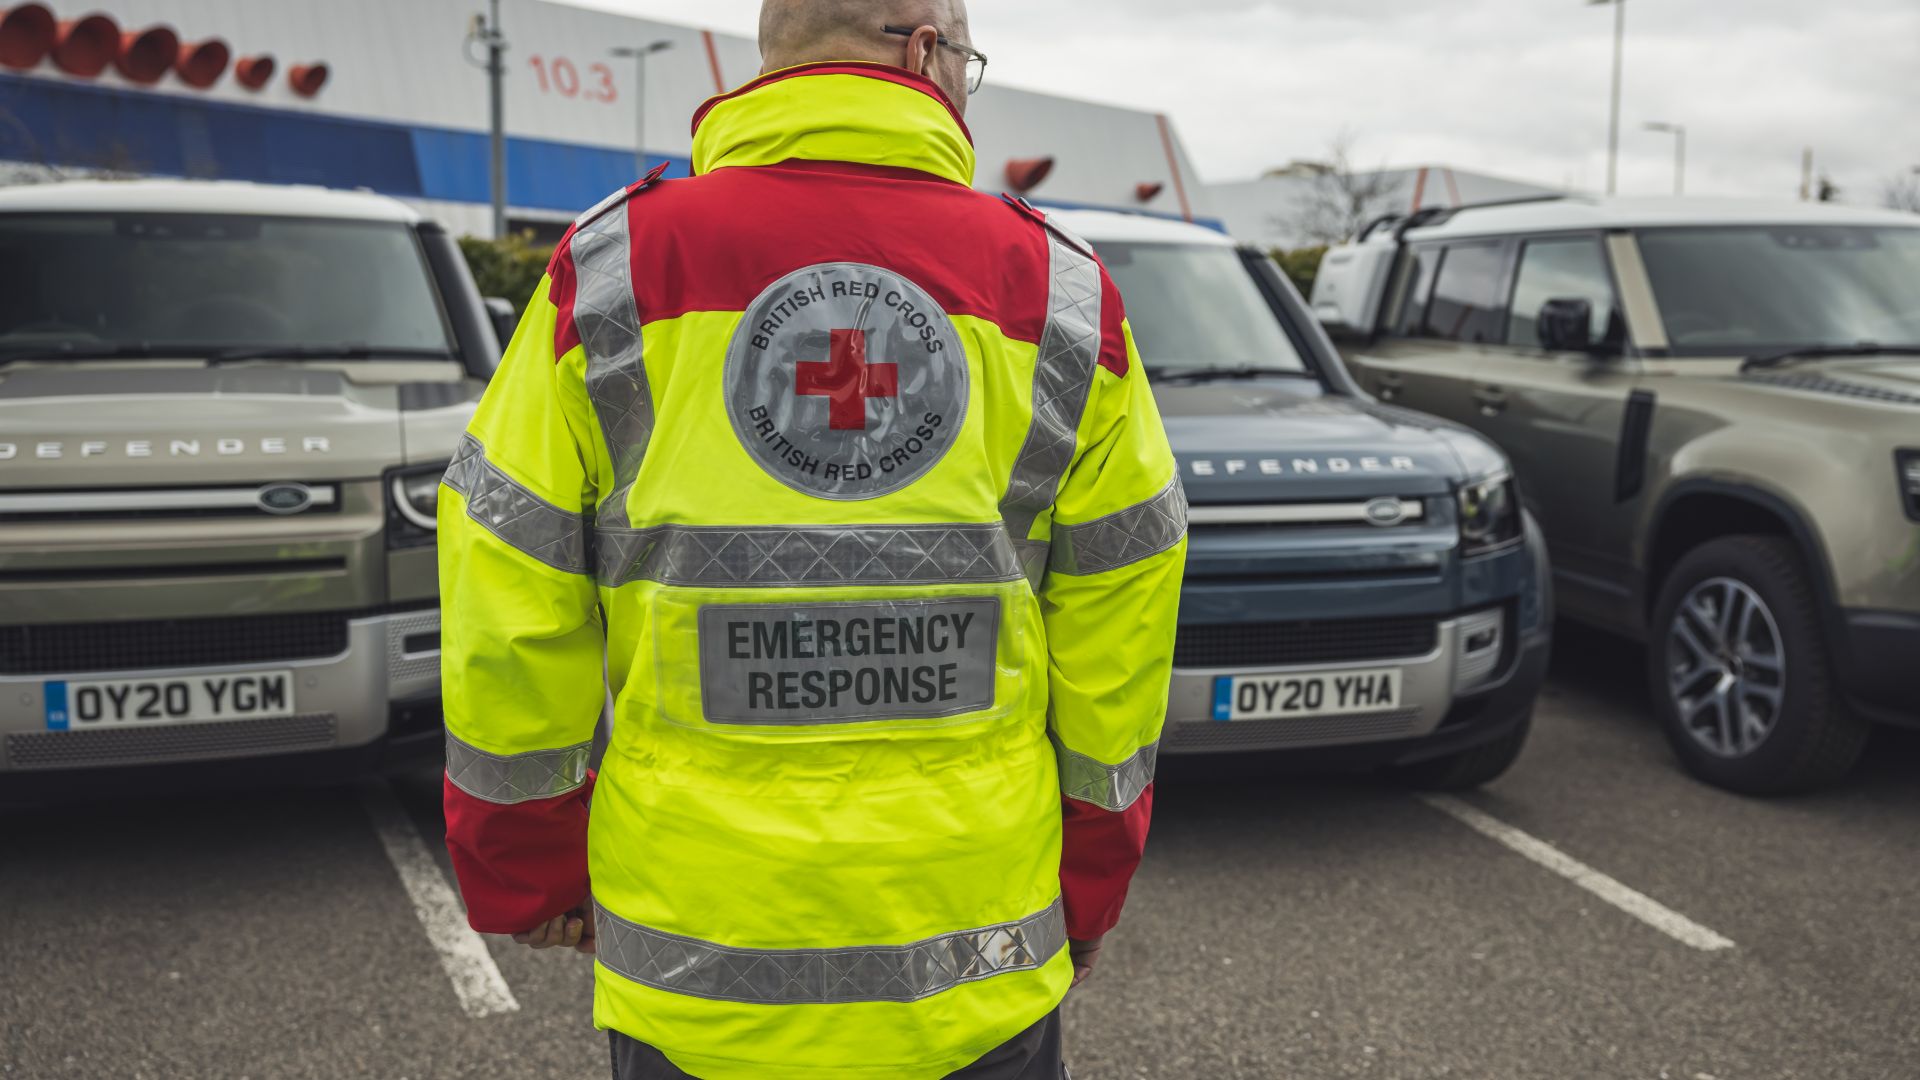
(1726, 665)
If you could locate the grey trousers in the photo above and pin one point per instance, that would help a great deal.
(1034, 1054)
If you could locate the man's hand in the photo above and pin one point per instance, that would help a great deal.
(1083, 954)
(574, 930)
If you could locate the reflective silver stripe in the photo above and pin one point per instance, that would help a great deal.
(1062, 377)
(1138, 532)
(608, 321)
(516, 515)
(812, 555)
(684, 965)
(516, 778)
(1114, 787)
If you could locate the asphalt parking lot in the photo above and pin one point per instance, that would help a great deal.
(1280, 928)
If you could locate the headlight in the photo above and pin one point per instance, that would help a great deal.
(1908, 463)
(1489, 515)
(412, 494)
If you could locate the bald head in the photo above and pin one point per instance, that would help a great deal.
(815, 31)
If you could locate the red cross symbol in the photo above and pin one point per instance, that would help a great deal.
(846, 380)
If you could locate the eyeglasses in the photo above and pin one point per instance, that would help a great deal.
(976, 60)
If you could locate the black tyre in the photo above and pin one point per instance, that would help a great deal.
(1740, 674)
(1469, 768)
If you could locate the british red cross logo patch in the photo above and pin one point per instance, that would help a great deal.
(846, 380)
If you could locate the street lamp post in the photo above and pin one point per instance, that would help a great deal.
(485, 32)
(1679, 133)
(639, 56)
(1613, 120)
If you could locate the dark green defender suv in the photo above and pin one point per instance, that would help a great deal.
(1714, 410)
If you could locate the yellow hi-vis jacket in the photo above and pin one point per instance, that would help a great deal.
(850, 477)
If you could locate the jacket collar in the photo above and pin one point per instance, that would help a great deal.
(865, 114)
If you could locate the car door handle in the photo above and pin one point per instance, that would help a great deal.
(1492, 400)
(1390, 387)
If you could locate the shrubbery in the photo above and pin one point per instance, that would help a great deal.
(509, 267)
(1301, 265)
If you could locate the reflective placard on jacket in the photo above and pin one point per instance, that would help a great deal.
(834, 663)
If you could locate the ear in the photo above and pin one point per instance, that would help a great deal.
(920, 49)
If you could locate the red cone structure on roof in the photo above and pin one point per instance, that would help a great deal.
(307, 79)
(85, 46)
(254, 72)
(1025, 174)
(145, 56)
(202, 63)
(26, 35)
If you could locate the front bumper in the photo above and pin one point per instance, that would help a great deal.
(1432, 686)
(1469, 721)
(384, 682)
(1876, 666)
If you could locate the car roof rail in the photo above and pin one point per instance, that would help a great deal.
(1439, 215)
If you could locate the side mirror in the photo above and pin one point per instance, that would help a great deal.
(505, 320)
(1566, 325)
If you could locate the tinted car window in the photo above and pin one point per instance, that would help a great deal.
(1467, 294)
(1568, 269)
(178, 282)
(1749, 289)
(1196, 305)
(1418, 288)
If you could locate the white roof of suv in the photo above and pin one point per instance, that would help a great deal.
(1109, 227)
(204, 197)
(1581, 212)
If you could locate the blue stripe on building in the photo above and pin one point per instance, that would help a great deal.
(81, 125)
(84, 126)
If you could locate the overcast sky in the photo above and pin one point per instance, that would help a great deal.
(1512, 87)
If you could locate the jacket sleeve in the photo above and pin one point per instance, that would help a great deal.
(522, 643)
(1110, 600)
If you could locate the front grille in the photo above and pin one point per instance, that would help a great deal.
(71, 648)
(1309, 641)
(1215, 736)
(178, 742)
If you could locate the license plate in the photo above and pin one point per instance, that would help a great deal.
(181, 700)
(1282, 697)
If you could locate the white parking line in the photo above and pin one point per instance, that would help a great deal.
(463, 955)
(1637, 904)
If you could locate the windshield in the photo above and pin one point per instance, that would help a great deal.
(194, 284)
(1196, 306)
(1752, 289)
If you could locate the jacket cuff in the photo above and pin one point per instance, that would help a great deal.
(1099, 852)
(518, 864)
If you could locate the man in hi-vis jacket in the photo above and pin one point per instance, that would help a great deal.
(848, 478)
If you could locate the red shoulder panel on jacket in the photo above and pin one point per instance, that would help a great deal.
(716, 241)
(560, 269)
(1113, 311)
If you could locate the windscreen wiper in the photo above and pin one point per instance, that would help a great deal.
(1211, 374)
(1827, 352)
(337, 351)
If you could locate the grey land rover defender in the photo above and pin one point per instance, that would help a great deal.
(1363, 588)
(224, 413)
(1714, 410)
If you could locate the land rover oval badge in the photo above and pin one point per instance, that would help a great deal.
(284, 498)
(846, 381)
(1386, 512)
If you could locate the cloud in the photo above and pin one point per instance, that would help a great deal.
(1516, 87)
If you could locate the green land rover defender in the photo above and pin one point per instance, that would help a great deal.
(1714, 410)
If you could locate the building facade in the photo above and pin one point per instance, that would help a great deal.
(392, 96)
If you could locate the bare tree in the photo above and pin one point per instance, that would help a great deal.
(1339, 198)
(1902, 192)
